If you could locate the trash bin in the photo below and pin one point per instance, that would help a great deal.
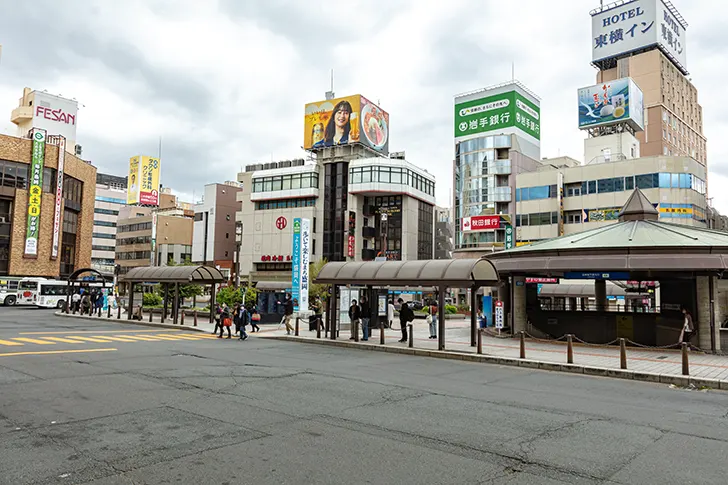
(312, 322)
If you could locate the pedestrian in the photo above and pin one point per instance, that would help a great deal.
(254, 318)
(432, 320)
(366, 313)
(390, 314)
(318, 311)
(354, 318)
(85, 303)
(218, 314)
(225, 320)
(406, 315)
(287, 313)
(75, 302)
(688, 327)
(99, 303)
(240, 317)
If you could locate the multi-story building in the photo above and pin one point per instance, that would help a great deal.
(214, 237)
(497, 137)
(110, 198)
(50, 234)
(444, 230)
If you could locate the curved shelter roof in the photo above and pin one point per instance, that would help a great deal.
(638, 242)
(452, 273)
(174, 274)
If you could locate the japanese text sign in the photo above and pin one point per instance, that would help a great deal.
(612, 102)
(497, 112)
(35, 191)
(480, 223)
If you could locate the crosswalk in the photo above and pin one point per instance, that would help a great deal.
(101, 339)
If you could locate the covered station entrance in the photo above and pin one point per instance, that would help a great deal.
(669, 266)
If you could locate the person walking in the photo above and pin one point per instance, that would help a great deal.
(688, 327)
(366, 313)
(354, 318)
(254, 318)
(406, 315)
(287, 313)
(240, 317)
(432, 320)
(226, 320)
(318, 312)
(218, 315)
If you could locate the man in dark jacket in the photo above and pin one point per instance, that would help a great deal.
(366, 313)
(288, 313)
(354, 317)
(406, 315)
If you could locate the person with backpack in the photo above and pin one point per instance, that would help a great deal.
(241, 317)
(406, 315)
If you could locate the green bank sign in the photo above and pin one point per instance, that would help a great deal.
(497, 112)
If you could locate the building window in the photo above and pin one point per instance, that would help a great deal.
(285, 203)
(141, 226)
(107, 212)
(286, 182)
(199, 216)
(68, 242)
(424, 231)
(227, 235)
(6, 230)
(134, 240)
(103, 248)
(573, 218)
(102, 235)
(105, 223)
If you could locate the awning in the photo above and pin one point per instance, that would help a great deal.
(450, 273)
(174, 274)
(273, 285)
(581, 290)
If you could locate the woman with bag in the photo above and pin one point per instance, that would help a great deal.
(254, 318)
(432, 320)
(226, 321)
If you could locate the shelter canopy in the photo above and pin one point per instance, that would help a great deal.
(174, 274)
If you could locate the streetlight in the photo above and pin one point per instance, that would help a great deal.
(238, 243)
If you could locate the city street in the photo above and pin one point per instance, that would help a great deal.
(106, 403)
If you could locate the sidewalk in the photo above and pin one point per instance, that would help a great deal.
(655, 365)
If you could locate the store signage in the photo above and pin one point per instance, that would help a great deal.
(55, 115)
(350, 246)
(275, 258)
(617, 276)
(499, 314)
(542, 280)
(296, 265)
(61, 142)
(480, 223)
(498, 112)
(35, 191)
(281, 223)
(305, 260)
(509, 236)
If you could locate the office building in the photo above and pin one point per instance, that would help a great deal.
(110, 198)
(214, 233)
(444, 231)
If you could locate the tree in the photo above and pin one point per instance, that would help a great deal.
(317, 290)
(251, 296)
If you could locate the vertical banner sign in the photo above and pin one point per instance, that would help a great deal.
(59, 197)
(509, 236)
(296, 263)
(305, 260)
(35, 191)
(487, 311)
(149, 181)
(560, 194)
(499, 314)
(153, 255)
(132, 191)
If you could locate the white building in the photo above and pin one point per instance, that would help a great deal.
(110, 197)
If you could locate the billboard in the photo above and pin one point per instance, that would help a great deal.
(35, 191)
(143, 179)
(610, 103)
(55, 115)
(59, 197)
(480, 223)
(636, 25)
(132, 190)
(496, 112)
(344, 121)
(300, 263)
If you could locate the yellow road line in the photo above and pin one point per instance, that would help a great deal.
(143, 338)
(9, 343)
(189, 337)
(65, 340)
(114, 339)
(94, 331)
(46, 352)
(34, 341)
(89, 339)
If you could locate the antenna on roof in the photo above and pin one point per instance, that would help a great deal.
(513, 70)
(330, 94)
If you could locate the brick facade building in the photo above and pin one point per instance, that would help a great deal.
(77, 211)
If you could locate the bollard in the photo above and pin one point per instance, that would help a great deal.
(523, 344)
(569, 349)
(685, 363)
(297, 320)
(381, 333)
(194, 316)
(355, 326)
(108, 313)
(622, 354)
(150, 315)
(318, 327)
(411, 342)
(118, 312)
(182, 318)
(480, 340)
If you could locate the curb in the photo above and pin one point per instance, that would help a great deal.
(677, 380)
(133, 322)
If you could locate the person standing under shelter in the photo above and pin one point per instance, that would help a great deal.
(406, 315)
(432, 320)
(354, 317)
(390, 314)
(366, 313)
(688, 327)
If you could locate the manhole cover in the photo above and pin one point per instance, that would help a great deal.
(662, 357)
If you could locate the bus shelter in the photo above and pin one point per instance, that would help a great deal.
(86, 278)
(435, 274)
(173, 276)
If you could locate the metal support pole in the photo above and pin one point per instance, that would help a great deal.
(381, 333)
(328, 317)
(164, 305)
(212, 303)
(480, 340)
(334, 313)
(622, 354)
(473, 315)
(131, 301)
(151, 312)
(182, 318)
(569, 349)
(175, 304)
(711, 295)
(523, 344)
(298, 319)
(685, 363)
(441, 320)
(68, 300)
(194, 315)
(118, 311)
(411, 342)
(108, 311)
(318, 326)
(355, 329)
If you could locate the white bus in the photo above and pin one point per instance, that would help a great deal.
(9, 290)
(42, 292)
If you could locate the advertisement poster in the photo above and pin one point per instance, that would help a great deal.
(132, 191)
(296, 263)
(59, 197)
(480, 223)
(343, 121)
(487, 320)
(149, 181)
(35, 191)
(305, 261)
(497, 112)
(610, 103)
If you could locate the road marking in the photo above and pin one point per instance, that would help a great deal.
(190, 337)
(144, 338)
(89, 339)
(47, 352)
(93, 331)
(116, 339)
(65, 340)
(34, 341)
(9, 343)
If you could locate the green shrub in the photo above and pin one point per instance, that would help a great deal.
(151, 299)
(463, 307)
(451, 309)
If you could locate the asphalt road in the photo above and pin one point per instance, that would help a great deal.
(161, 409)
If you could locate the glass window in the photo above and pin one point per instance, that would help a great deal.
(647, 181)
(629, 183)
(664, 180)
(541, 192)
(384, 175)
(552, 191)
(554, 218)
(305, 181)
(518, 195)
(356, 177)
(618, 184)
(296, 181)
(675, 182)
(286, 182)
(366, 176)
(268, 185)
(605, 185)
(396, 177)
(592, 186)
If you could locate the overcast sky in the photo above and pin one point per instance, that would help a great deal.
(224, 82)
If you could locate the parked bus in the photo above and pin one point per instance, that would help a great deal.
(9, 289)
(42, 292)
